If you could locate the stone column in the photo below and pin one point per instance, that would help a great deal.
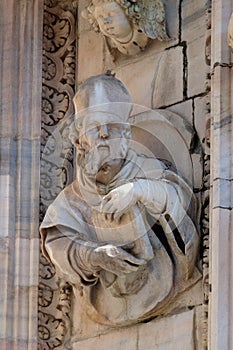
(20, 67)
(221, 279)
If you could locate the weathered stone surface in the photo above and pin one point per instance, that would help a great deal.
(196, 63)
(222, 193)
(90, 49)
(140, 73)
(184, 109)
(221, 270)
(21, 69)
(169, 90)
(222, 122)
(7, 196)
(145, 79)
(169, 333)
(200, 117)
(174, 332)
(199, 331)
(221, 325)
(222, 11)
(194, 34)
(83, 24)
(172, 16)
(24, 277)
(198, 170)
(122, 339)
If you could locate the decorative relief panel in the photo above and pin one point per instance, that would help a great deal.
(57, 107)
(205, 192)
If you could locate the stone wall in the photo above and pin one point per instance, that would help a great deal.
(180, 75)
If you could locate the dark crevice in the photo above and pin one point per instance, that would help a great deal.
(222, 207)
(179, 240)
(222, 179)
(202, 94)
(185, 70)
(180, 20)
(157, 229)
(218, 64)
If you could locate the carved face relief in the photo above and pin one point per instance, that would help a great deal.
(127, 25)
(113, 22)
(104, 142)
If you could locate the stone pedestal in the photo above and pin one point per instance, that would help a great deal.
(169, 333)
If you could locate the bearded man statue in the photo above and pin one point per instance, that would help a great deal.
(124, 233)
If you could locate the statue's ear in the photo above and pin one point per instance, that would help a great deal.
(73, 134)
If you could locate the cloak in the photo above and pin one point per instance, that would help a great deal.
(69, 235)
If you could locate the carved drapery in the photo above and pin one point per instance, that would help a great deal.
(57, 93)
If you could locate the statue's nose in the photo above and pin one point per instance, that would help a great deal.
(103, 132)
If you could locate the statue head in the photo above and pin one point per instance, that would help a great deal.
(128, 24)
(101, 132)
(111, 19)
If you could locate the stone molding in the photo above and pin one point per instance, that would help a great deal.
(221, 272)
(21, 53)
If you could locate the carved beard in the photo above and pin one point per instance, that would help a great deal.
(103, 152)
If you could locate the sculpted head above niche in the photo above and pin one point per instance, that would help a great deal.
(128, 25)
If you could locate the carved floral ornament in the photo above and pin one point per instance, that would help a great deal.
(124, 234)
(128, 25)
(56, 163)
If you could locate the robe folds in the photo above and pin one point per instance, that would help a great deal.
(69, 234)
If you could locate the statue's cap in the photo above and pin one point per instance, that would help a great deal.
(103, 93)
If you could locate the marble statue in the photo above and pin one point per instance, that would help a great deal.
(123, 234)
(128, 25)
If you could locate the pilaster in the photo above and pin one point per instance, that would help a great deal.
(221, 278)
(20, 67)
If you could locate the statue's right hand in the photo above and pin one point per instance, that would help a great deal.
(115, 260)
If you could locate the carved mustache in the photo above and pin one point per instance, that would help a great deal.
(102, 152)
(96, 157)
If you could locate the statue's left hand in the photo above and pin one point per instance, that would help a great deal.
(119, 201)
